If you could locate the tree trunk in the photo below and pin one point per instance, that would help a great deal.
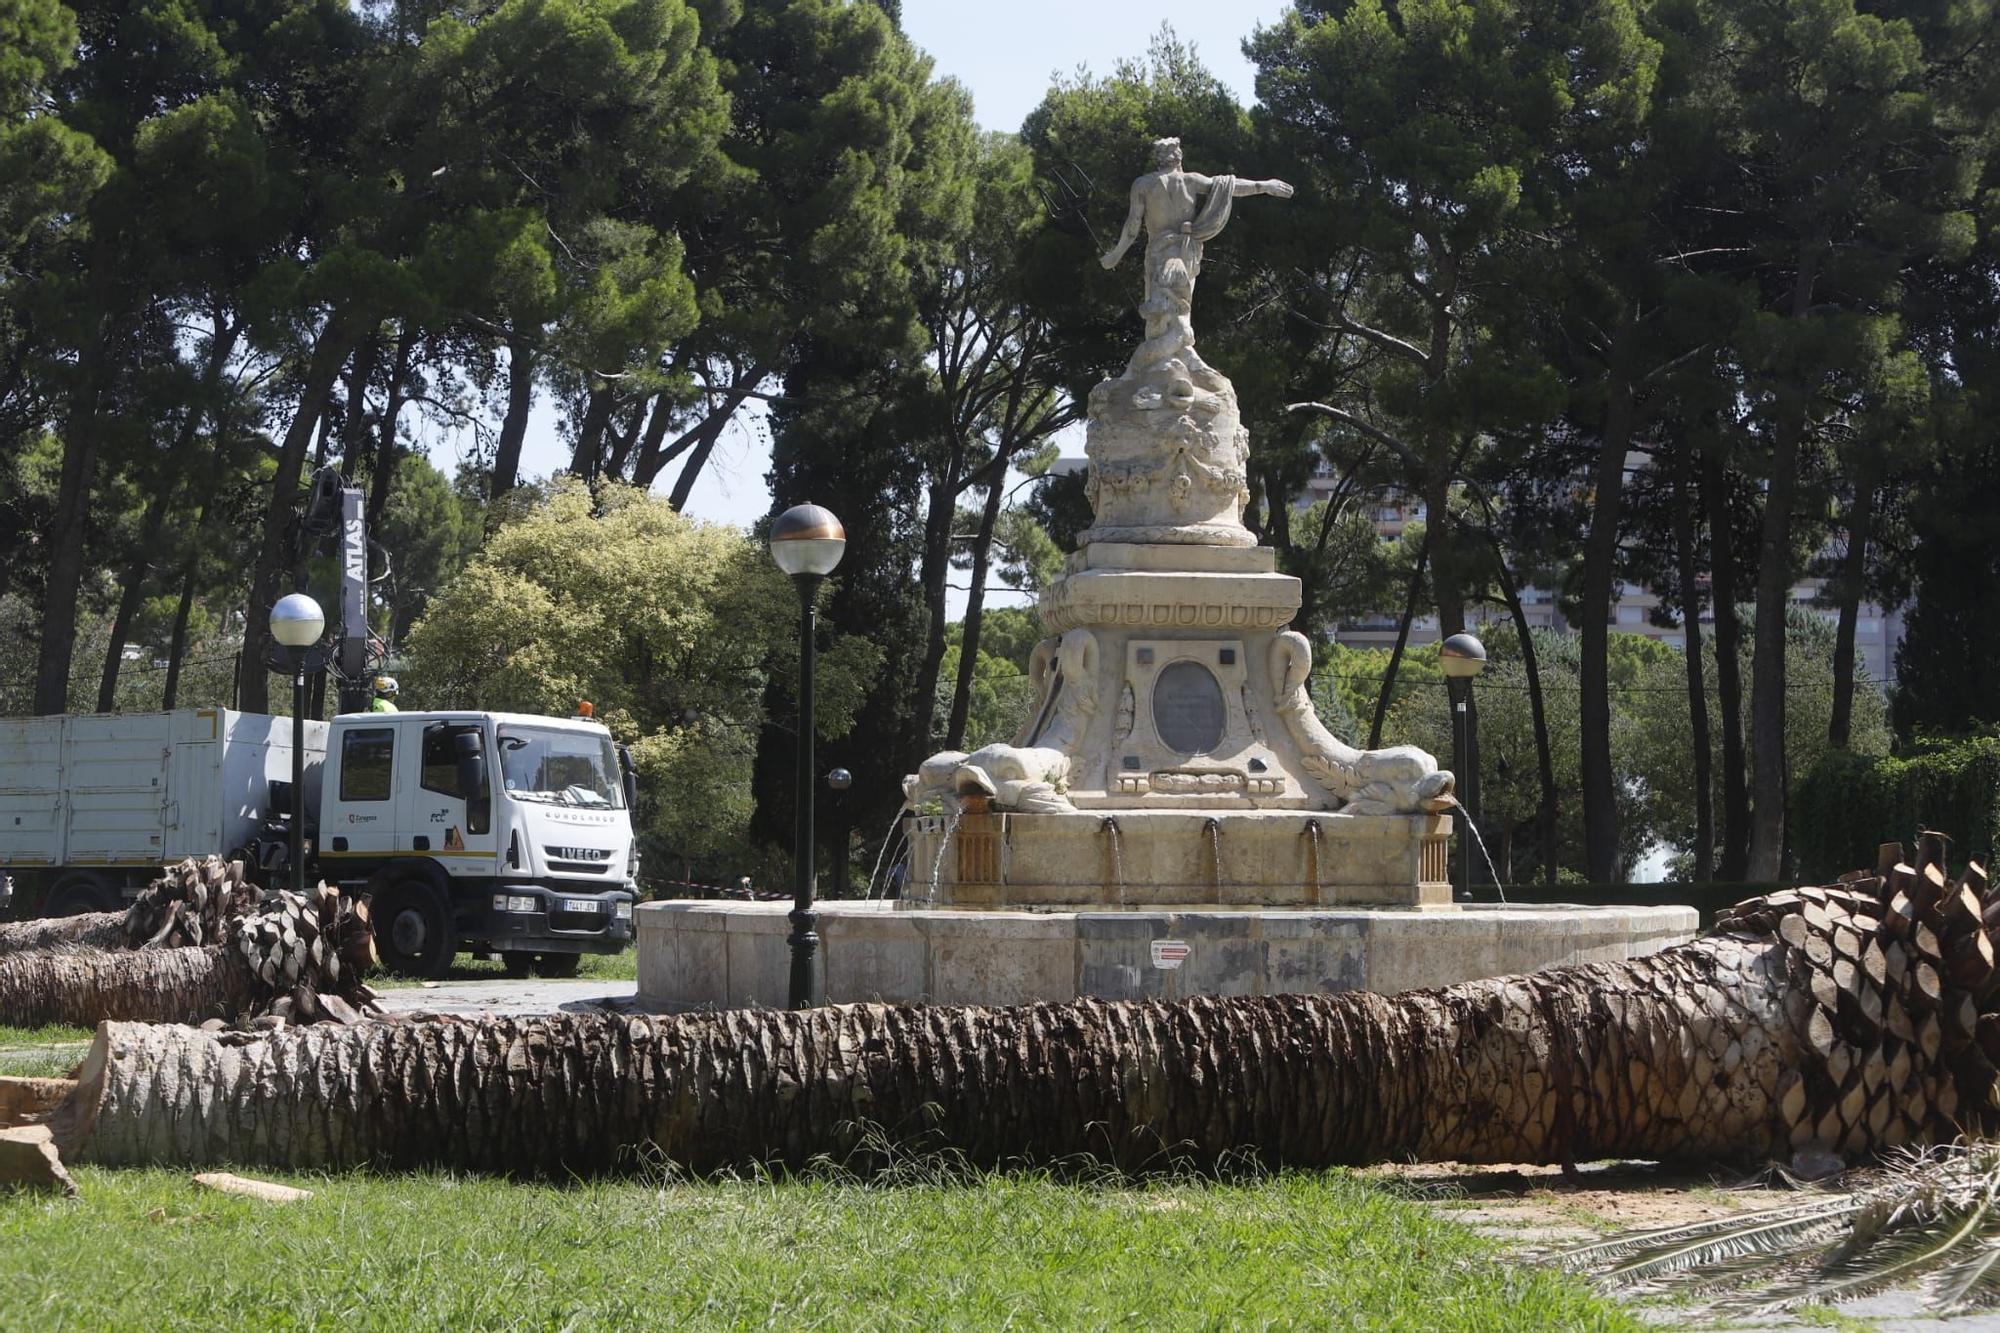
(1546, 811)
(190, 569)
(624, 440)
(514, 426)
(84, 987)
(1277, 532)
(1774, 586)
(177, 645)
(354, 412)
(222, 341)
(1853, 578)
(698, 456)
(932, 572)
(1447, 582)
(1388, 690)
(68, 530)
(1600, 580)
(651, 442)
(382, 475)
(587, 459)
(1733, 862)
(253, 684)
(975, 610)
(701, 439)
(131, 587)
(1687, 569)
(1745, 1045)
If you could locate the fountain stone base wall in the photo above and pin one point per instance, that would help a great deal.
(731, 955)
(1126, 859)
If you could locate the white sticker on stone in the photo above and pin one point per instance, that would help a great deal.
(1170, 954)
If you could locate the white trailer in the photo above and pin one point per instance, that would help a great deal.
(92, 805)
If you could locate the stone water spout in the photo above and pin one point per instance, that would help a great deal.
(1311, 833)
(1111, 830)
(1213, 828)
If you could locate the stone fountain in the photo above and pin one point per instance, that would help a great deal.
(1172, 817)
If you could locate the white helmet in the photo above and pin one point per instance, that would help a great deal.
(385, 686)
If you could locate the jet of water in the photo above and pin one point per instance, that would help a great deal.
(1480, 842)
(937, 866)
(894, 834)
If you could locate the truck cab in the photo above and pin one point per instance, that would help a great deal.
(493, 832)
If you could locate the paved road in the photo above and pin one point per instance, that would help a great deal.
(510, 997)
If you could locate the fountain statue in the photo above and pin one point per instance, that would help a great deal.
(1171, 818)
(1171, 686)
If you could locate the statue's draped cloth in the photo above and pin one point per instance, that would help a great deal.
(1186, 243)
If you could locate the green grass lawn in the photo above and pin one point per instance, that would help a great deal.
(146, 1249)
(49, 1052)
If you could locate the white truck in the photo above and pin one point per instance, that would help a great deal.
(491, 832)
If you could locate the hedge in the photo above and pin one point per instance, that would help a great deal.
(1848, 805)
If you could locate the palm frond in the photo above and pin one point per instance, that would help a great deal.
(1972, 1284)
(1929, 1220)
(1902, 1255)
(1665, 1251)
(1712, 1283)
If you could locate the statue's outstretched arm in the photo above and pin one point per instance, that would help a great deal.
(1277, 189)
(1135, 218)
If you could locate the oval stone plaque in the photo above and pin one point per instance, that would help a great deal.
(1187, 708)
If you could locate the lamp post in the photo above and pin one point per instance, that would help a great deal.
(1463, 657)
(296, 623)
(807, 542)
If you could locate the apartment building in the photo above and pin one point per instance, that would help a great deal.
(1876, 632)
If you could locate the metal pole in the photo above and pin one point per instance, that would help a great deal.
(804, 938)
(298, 770)
(1458, 690)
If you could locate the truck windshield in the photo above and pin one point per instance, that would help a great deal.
(560, 767)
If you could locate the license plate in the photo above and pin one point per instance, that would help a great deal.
(582, 905)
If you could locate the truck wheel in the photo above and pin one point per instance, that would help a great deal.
(412, 929)
(78, 894)
(558, 964)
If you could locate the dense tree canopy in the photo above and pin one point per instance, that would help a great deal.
(1699, 298)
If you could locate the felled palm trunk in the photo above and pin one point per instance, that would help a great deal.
(90, 930)
(198, 944)
(1851, 1018)
(1473, 1073)
(83, 987)
(189, 904)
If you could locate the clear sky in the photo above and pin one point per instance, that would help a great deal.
(1006, 54)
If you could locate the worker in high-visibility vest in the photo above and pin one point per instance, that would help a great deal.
(385, 695)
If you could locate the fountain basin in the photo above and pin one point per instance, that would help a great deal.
(1137, 858)
(729, 955)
